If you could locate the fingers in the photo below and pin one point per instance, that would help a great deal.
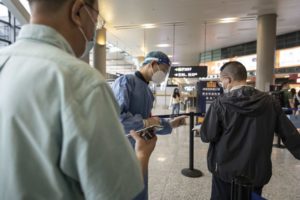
(135, 135)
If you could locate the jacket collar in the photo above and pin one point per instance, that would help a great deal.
(140, 76)
(45, 34)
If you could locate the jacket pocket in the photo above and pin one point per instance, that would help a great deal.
(211, 159)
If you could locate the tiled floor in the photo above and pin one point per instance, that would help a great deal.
(172, 155)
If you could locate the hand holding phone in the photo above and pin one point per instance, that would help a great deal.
(149, 132)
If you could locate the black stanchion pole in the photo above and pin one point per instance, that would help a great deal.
(191, 172)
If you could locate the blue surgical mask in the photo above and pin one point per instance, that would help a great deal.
(89, 44)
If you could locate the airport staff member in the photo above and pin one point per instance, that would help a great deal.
(240, 126)
(60, 136)
(136, 99)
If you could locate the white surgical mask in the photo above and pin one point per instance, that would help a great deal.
(159, 76)
(225, 90)
(89, 44)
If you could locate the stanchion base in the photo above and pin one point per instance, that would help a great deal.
(279, 146)
(193, 173)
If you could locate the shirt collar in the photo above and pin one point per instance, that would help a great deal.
(140, 76)
(45, 34)
(238, 87)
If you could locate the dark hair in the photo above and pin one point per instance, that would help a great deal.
(284, 83)
(293, 91)
(176, 93)
(236, 70)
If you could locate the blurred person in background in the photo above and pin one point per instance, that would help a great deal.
(175, 102)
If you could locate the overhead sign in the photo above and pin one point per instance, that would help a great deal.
(289, 57)
(188, 72)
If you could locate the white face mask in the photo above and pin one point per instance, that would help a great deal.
(225, 90)
(159, 76)
(89, 44)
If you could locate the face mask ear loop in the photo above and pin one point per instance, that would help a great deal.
(83, 34)
(90, 15)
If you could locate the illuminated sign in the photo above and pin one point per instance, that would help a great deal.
(289, 57)
(188, 72)
(284, 58)
(189, 88)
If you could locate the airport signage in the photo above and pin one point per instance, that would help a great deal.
(188, 72)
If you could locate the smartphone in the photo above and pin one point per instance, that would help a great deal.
(149, 132)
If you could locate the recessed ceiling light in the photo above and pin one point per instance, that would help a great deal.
(170, 56)
(163, 45)
(148, 26)
(161, 159)
(228, 20)
(175, 63)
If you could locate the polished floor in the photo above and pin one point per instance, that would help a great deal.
(171, 155)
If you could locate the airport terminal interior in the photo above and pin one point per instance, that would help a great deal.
(198, 36)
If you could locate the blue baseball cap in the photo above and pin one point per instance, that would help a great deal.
(158, 56)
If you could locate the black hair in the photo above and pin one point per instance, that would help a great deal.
(176, 93)
(284, 83)
(293, 91)
(236, 70)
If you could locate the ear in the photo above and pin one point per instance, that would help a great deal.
(229, 80)
(152, 63)
(75, 12)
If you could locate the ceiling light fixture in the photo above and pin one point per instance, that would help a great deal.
(148, 26)
(228, 20)
(163, 45)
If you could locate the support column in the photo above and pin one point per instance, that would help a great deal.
(266, 46)
(100, 51)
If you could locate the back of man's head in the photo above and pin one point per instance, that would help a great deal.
(234, 70)
(55, 4)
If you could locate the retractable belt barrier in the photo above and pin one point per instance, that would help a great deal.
(189, 172)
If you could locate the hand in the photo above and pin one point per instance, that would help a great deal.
(143, 148)
(152, 121)
(178, 121)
